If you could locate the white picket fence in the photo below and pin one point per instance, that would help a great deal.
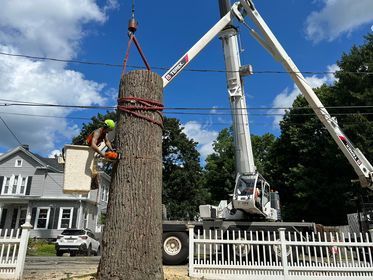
(239, 254)
(13, 248)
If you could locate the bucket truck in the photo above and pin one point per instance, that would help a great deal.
(251, 197)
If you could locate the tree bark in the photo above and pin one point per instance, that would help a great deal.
(132, 237)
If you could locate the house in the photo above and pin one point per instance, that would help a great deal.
(31, 184)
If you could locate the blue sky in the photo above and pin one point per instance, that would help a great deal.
(314, 33)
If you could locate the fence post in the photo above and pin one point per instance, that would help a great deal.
(26, 228)
(284, 256)
(191, 249)
(371, 234)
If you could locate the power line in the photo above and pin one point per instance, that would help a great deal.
(198, 114)
(35, 104)
(15, 137)
(251, 122)
(105, 64)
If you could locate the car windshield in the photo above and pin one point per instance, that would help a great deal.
(73, 232)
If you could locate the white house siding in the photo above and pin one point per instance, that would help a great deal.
(46, 190)
(28, 168)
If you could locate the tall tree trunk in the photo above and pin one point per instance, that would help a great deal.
(132, 237)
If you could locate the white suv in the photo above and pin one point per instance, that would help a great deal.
(77, 241)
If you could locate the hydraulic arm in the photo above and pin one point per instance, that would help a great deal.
(358, 161)
(256, 200)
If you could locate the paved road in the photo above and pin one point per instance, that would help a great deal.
(59, 267)
(53, 268)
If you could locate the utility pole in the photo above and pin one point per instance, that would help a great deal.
(132, 237)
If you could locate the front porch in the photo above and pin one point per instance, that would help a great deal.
(48, 218)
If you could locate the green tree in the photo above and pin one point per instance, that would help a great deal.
(313, 175)
(182, 174)
(262, 150)
(220, 172)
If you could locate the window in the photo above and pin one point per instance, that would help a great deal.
(14, 185)
(85, 220)
(66, 217)
(42, 217)
(6, 185)
(23, 185)
(18, 163)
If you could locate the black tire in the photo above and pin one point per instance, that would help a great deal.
(89, 251)
(234, 250)
(98, 252)
(175, 248)
(59, 253)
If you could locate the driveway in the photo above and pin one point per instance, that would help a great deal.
(66, 267)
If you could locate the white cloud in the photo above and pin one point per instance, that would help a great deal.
(51, 28)
(286, 98)
(54, 153)
(203, 136)
(338, 17)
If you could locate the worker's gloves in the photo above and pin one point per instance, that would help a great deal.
(112, 155)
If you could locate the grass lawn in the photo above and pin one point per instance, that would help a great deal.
(40, 248)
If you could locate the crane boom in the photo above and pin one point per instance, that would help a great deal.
(241, 132)
(252, 192)
(361, 165)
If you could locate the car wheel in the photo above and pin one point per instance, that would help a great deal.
(59, 253)
(175, 248)
(98, 252)
(89, 250)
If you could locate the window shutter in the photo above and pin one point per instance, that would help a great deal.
(33, 215)
(14, 218)
(51, 218)
(1, 183)
(75, 216)
(3, 217)
(28, 188)
(56, 216)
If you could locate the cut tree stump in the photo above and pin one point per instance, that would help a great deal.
(132, 237)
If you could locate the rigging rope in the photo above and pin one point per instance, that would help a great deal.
(125, 104)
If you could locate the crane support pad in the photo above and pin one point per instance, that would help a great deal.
(78, 169)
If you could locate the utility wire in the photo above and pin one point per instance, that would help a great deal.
(199, 114)
(97, 63)
(251, 122)
(15, 137)
(35, 104)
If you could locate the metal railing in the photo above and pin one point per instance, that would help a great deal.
(240, 254)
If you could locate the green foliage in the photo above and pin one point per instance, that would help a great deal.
(182, 191)
(40, 248)
(262, 150)
(220, 172)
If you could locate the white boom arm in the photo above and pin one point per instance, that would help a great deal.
(200, 45)
(360, 164)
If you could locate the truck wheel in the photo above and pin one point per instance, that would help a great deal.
(175, 248)
(236, 252)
